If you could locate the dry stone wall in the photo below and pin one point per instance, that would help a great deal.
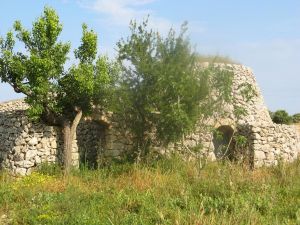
(272, 143)
(24, 144)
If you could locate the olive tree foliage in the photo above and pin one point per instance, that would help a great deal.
(163, 90)
(56, 94)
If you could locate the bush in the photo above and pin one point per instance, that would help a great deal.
(282, 117)
(296, 118)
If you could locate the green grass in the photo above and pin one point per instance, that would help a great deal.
(169, 191)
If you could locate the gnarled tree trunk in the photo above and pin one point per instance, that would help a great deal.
(69, 132)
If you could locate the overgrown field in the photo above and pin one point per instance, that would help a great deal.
(169, 191)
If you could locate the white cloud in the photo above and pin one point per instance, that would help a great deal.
(120, 12)
(115, 15)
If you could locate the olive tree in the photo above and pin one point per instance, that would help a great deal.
(56, 94)
(163, 90)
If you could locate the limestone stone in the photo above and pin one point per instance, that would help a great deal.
(37, 159)
(24, 164)
(53, 144)
(33, 141)
(75, 156)
(31, 154)
(256, 136)
(29, 171)
(17, 149)
(21, 171)
(256, 129)
(259, 155)
(270, 156)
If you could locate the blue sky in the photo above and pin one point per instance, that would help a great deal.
(264, 35)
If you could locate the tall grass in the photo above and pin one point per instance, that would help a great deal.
(167, 191)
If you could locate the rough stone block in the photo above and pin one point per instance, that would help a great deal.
(259, 155)
(33, 141)
(31, 154)
(21, 171)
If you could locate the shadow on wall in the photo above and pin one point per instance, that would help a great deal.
(235, 145)
(91, 136)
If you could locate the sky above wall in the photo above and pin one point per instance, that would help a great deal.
(264, 35)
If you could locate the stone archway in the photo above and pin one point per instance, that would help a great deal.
(222, 141)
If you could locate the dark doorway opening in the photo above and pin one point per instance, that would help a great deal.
(223, 142)
(91, 142)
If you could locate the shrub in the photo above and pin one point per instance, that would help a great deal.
(296, 118)
(282, 117)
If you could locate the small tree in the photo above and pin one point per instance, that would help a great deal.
(57, 95)
(163, 92)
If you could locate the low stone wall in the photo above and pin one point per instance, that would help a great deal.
(25, 144)
(272, 143)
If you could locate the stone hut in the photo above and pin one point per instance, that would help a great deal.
(24, 144)
(268, 143)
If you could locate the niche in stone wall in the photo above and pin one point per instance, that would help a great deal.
(91, 141)
(223, 144)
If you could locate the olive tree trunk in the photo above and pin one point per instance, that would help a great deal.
(69, 132)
